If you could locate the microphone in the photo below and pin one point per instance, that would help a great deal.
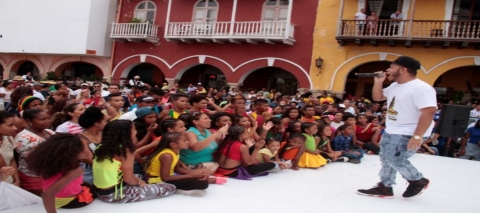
(369, 75)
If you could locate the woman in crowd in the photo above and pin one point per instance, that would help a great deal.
(8, 166)
(116, 151)
(202, 143)
(56, 162)
(6, 90)
(67, 122)
(92, 121)
(37, 132)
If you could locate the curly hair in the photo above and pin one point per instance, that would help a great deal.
(91, 116)
(56, 155)
(216, 117)
(60, 117)
(116, 140)
(233, 135)
(142, 127)
(58, 106)
(18, 93)
(286, 114)
(164, 143)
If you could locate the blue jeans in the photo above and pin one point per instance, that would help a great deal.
(351, 155)
(87, 173)
(394, 157)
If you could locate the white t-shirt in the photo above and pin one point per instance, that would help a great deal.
(351, 110)
(359, 16)
(2, 90)
(69, 127)
(404, 102)
(474, 113)
(336, 125)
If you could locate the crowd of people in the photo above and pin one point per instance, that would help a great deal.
(73, 143)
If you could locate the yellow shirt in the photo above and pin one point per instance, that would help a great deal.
(266, 152)
(154, 169)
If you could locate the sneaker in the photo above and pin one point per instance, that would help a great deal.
(416, 187)
(378, 191)
(354, 161)
(342, 159)
(193, 193)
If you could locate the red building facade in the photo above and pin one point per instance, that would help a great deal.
(253, 43)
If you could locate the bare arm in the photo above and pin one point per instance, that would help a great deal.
(48, 196)
(196, 145)
(139, 152)
(377, 91)
(127, 169)
(167, 161)
(425, 120)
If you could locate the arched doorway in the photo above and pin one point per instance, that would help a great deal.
(1, 72)
(148, 73)
(359, 87)
(461, 84)
(271, 78)
(25, 67)
(207, 75)
(86, 71)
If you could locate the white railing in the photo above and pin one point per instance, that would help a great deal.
(259, 29)
(134, 30)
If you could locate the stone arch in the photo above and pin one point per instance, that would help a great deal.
(101, 64)
(15, 63)
(436, 71)
(182, 65)
(339, 76)
(121, 70)
(245, 69)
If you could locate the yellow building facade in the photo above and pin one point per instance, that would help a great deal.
(429, 31)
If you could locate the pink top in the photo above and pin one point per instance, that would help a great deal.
(71, 189)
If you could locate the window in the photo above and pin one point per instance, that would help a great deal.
(466, 10)
(384, 8)
(205, 11)
(145, 11)
(275, 10)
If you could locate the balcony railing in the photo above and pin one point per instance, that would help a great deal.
(226, 31)
(135, 32)
(464, 30)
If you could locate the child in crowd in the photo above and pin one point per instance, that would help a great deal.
(342, 143)
(164, 161)
(199, 103)
(261, 113)
(278, 129)
(146, 126)
(270, 154)
(290, 115)
(293, 127)
(56, 161)
(251, 132)
(293, 149)
(311, 158)
(326, 151)
(237, 106)
(113, 178)
(234, 157)
(221, 119)
(178, 106)
(309, 114)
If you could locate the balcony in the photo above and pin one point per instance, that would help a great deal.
(135, 32)
(427, 33)
(236, 32)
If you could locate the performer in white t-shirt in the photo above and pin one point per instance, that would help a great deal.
(411, 106)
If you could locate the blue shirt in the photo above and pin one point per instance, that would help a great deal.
(191, 157)
(474, 135)
(341, 143)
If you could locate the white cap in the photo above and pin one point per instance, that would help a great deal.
(136, 77)
(342, 106)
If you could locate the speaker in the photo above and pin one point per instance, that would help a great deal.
(453, 121)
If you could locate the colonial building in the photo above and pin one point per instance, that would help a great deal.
(68, 37)
(444, 35)
(261, 43)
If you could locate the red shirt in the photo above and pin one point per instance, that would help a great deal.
(234, 151)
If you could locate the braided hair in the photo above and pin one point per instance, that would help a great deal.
(233, 135)
(167, 138)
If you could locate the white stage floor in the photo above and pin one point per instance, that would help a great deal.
(453, 188)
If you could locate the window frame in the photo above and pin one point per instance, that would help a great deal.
(206, 8)
(470, 12)
(277, 8)
(146, 10)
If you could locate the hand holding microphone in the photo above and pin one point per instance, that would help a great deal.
(378, 76)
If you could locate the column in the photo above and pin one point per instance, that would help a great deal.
(171, 81)
(233, 85)
(232, 20)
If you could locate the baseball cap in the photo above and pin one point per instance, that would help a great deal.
(37, 84)
(408, 62)
(341, 106)
(85, 84)
(144, 98)
(144, 111)
(136, 77)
